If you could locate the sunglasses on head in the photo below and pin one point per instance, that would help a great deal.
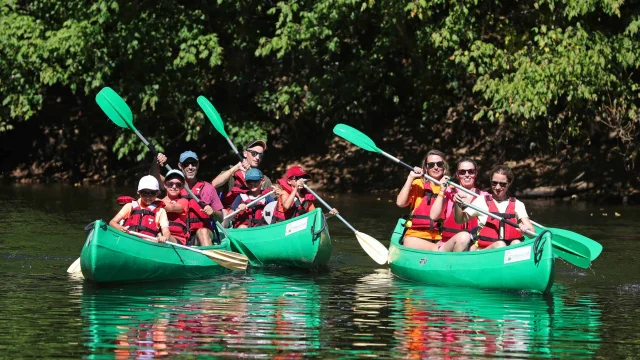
(496, 183)
(171, 184)
(431, 165)
(466, 171)
(187, 163)
(147, 193)
(256, 154)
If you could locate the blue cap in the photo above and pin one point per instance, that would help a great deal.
(253, 174)
(188, 154)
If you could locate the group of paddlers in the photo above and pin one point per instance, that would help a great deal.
(439, 218)
(182, 218)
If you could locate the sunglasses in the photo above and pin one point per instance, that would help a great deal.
(431, 165)
(171, 184)
(496, 183)
(147, 193)
(256, 154)
(187, 163)
(466, 171)
(298, 177)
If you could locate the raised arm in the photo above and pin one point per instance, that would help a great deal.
(403, 197)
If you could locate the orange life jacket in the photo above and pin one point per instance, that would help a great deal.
(420, 216)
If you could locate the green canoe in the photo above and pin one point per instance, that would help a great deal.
(109, 255)
(301, 242)
(526, 266)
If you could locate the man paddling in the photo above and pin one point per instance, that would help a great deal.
(232, 181)
(200, 226)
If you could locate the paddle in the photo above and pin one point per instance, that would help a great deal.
(371, 246)
(253, 202)
(74, 268)
(572, 251)
(226, 259)
(565, 238)
(120, 114)
(216, 120)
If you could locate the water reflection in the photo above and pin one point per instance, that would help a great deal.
(258, 315)
(469, 323)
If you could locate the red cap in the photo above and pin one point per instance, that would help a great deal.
(296, 171)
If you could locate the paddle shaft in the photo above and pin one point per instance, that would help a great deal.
(147, 237)
(255, 201)
(329, 207)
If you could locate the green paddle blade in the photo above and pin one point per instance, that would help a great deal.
(594, 247)
(356, 137)
(212, 114)
(115, 107)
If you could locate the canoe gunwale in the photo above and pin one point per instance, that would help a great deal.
(526, 266)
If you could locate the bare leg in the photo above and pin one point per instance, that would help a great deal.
(459, 242)
(242, 227)
(515, 242)
(496, 245)
(204, 236)
(418, 243)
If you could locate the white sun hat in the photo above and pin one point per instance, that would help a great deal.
(148, 182)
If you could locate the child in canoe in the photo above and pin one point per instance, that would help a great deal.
(293, 199)
(253, 216)
(176, 206)
(145, 215)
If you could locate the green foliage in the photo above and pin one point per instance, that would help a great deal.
(552, 70)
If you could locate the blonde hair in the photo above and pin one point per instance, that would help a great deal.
(437, 153)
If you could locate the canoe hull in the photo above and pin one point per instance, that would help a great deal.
(111, 256)
(301, 242)
(527, 266)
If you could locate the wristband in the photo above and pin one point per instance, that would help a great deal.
(231, 172)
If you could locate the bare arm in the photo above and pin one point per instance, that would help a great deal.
(403, 197)
(124, 212)
(173, 208)
(525, 224)
(224, 176)
(438, 205)
(289, 198)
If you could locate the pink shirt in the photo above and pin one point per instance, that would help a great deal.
(209, 196)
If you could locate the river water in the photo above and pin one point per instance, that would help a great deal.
(353, 309)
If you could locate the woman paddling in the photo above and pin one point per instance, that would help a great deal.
(423, 231)
(453, 236)
(494, 233)
(145, 215)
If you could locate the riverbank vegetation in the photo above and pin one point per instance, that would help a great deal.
(550, 87)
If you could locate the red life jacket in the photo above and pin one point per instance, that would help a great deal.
(450, 227)
(239, 187)
(297, 208)
(252, 216)
(196, 217)
(178, 226)
(420, 216)
(495, 230)
(143, 220)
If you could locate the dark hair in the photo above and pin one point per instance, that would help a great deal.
(502, 170)
(438, 153)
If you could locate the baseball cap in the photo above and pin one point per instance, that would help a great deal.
(188, 154)
(174, 173)
(296, 171)
(148, 182)
(253, 174)
(253, 143)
